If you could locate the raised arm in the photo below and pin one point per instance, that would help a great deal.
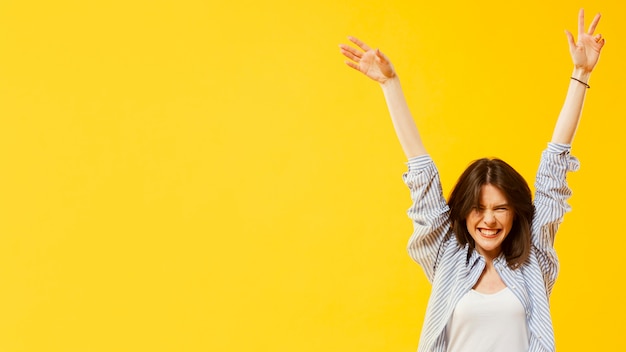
(375, 65)
(585, 53)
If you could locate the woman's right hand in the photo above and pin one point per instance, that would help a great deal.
(371, 62)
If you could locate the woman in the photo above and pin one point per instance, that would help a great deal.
(488, 251)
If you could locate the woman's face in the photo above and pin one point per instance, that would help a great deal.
(490, 222)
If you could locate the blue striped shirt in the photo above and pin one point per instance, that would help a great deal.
(453, 271)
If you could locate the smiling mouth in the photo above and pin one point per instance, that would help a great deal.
(489, 232)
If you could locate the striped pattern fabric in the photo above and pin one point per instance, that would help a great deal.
(453, 270)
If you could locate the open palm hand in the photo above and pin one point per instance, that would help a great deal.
(371, 62)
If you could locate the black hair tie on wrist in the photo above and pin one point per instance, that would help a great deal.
(584, 83)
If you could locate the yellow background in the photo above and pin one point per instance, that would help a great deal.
(209, 176)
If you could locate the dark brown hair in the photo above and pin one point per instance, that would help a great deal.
(466, 195)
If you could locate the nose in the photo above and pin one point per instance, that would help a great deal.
(489, 217)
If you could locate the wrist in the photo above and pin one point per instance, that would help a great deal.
(389, 82)
(581, 74)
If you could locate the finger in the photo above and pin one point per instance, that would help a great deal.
(353, 65)
(597, 38)
(594, 23)
(359, 43)
(581, 22)
(350, 52)
(350, 56)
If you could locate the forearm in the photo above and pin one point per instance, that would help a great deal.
(403, 122)
(571, 111)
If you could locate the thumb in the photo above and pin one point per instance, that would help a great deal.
(570, 40)
(380, 57)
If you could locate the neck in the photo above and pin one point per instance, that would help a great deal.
(489, 257)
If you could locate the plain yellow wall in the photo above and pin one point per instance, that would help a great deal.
(209, 176)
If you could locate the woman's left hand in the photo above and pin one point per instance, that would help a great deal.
(586, 51)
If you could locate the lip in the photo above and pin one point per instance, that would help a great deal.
(491, 233)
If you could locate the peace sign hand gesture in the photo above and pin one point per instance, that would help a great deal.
(371, 62)
(586, 51)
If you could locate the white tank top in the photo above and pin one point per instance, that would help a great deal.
(488, 323)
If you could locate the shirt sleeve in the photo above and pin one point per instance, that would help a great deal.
(551, 196)
(429, 213)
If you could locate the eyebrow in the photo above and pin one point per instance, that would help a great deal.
(495, 206)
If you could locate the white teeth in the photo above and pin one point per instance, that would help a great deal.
(488, 232)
